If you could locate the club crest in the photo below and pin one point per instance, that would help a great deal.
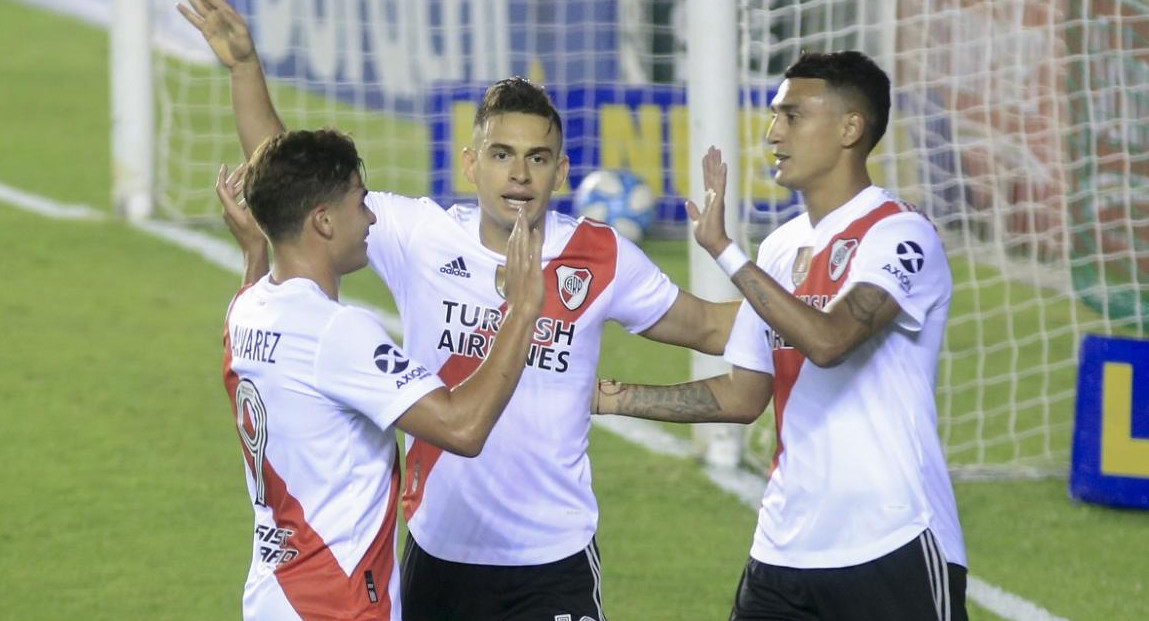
(840, 254)
(573, 284)
(801, 265)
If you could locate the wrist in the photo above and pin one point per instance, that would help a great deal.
(518, 321)
(732, 259)
(720, 248)
(247, 66)
(255, 248)
(607, 395)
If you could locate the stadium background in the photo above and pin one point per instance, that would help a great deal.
(123, 493)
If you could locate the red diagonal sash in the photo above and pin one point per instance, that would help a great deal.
(592, 247)
(788, 362)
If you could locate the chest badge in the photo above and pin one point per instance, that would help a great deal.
(801, 265)
(573, 284)
(840, 254)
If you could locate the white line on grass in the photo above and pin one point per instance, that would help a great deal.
(46, 207)
(228, 256)
(645, 434)
(746, 486)
(210, 249)
(1005, 604)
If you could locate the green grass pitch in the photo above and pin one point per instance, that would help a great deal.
(120, 474)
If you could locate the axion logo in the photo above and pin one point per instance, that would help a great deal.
(390, 360)
(903, 280)
(910, 256)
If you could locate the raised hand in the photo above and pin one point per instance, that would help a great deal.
(709, 222)
(524, 272)
(223, 29)
(228, 187)
(236, 215)
(241, 223)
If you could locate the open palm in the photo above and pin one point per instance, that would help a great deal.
(223, 28)
(710, 220)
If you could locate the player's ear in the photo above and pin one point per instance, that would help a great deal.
(853, 128)
(468, 158)
(563, 172)
(320, 220)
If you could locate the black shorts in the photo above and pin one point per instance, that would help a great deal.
(905, 584)
(432, 589)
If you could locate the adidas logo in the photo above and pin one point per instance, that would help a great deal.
(456, 267)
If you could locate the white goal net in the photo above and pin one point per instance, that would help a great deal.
(1020, 126)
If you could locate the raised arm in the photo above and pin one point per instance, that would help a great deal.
(459, 420)
(824, 336)
(226, 32)
(740, 396)
(255, 117)
(827, 336)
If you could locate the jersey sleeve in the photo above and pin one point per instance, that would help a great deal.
(749, 345)
(642, 293)
(903, 255)
(361, 367)
(388, 242)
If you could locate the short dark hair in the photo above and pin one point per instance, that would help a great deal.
(518, 94)
(290, 173)
(857, 77)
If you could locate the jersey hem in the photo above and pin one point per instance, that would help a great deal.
(830, 559)
(522, 558)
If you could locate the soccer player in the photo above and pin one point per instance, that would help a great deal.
(510, 534)
(843, 321)
(318, 388)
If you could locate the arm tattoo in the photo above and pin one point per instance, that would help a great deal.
(689, 402)
(864, 301)
(753, 288)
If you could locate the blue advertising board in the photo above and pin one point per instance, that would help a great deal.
(384, 54)
(1110, 463)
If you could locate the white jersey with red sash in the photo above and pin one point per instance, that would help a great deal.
(315, 388)
(527, 499)
(858, 470)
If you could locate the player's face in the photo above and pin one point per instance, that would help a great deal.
(515, 162)
(352, 220)
(806, 132)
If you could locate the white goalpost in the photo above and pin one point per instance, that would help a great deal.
(1021, 127)
(133, 133)
(712, 95)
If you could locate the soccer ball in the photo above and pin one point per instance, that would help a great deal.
(618, 198)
